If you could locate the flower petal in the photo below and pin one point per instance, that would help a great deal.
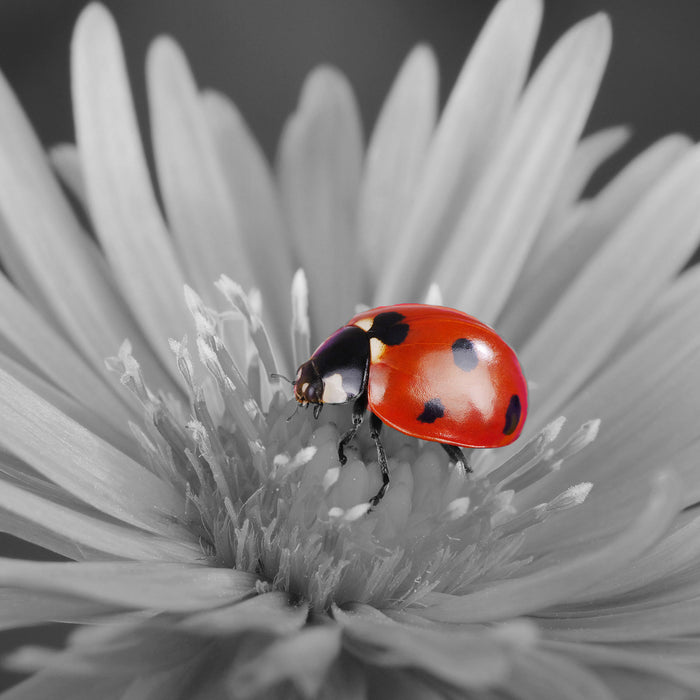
(588, 155)
(512, 199)
(472, 125)
(84, 465)
(319, 167)
(85, 534)
(24, 334)
(52, 684)
(156, 585)
(303, 658)
(543, 282)
(252, 189)
(66, 162)
(121, 201)
(664, 403)
(198, 205)
(620, 624)
(46, 242)
(268, 612)
(465, 659)
(526, 593)
(396, 155)
(539, 674)
(663, 662)
(83, 415)
(617, 290)
(24, 608)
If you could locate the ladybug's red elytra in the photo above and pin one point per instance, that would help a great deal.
(429, 371)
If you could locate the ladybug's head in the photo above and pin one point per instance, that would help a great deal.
(308, 385)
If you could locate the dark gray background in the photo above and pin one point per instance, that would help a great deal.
(258, 52)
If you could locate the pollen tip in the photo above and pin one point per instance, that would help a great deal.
(330, 477)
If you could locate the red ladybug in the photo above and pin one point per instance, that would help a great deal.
(429, 371)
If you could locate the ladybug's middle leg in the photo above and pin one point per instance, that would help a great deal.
(358, 414)
(457, 456)
(375, 426)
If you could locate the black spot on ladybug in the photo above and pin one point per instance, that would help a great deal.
(464, 354)
(387, 328)
(512, 415)
(432, 410)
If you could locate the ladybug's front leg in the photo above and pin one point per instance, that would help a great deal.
(358, 414)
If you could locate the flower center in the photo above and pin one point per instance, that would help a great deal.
(265, 491)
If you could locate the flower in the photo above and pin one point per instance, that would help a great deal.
(217, 549)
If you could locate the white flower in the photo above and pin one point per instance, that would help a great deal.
(218, 548)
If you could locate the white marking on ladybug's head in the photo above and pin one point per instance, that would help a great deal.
(333, 391)
(376, 349)
(364, 323)
(304, 387)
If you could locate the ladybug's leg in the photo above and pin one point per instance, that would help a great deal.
(375, 426)
(358, 414)
(457, 456)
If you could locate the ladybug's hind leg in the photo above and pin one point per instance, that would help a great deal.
(375, 426)
(457, 456)
(358, 414)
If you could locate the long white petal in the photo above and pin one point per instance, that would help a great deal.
(544, 281)
(588, 155)
(471, 127)
(200, 210)
(319, 174)
(624, 276)
(55, 523)
(26, 335)
(395, 157)
(160, 586)
(85, 465)
(252, 189)
(121, 200)
(65, 267)
(493, 237)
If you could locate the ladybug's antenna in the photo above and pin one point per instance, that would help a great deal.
(275, 375)
(317, 410)
(293, 413)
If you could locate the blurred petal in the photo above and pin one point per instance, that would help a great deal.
(84, 465)
(588, 155)
(121, 201)
(160, 586)
(66, 161)
(303, 659)
(544, 281)
(395, 157)
(470, 129)
(466, 660)
(52, 684)
(199, 209)
(319, 165)
(616, 289)
(268, 612)
(539, 674)
(252, 189)
(494, 234)
(67, 270)
(24, 608)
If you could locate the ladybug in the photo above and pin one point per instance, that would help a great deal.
(428, 371)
